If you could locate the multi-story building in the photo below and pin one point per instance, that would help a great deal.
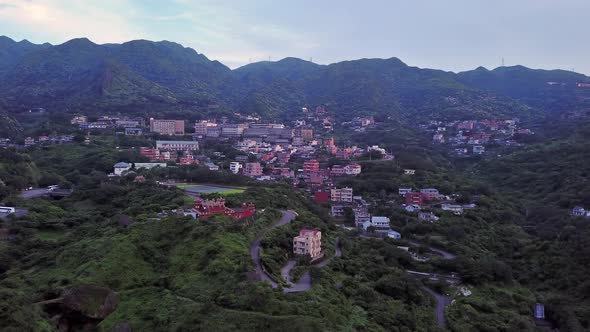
(414, 198)
(361, 215)
(353, 169)
(305, 133)
(167, 127)
(150, 153)
(337, 170)
(309, 242)
(178, 145)
(341, 195)
(29, 141)
(430, 194)
(337, 211)
(202, 126)
(235, 167)
(321, 197)
(233, 129)
(253, 169)
(133, 131)
(311, 166)
(380, 223)
(403, 191)
(129, 123)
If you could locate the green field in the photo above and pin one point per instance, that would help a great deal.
(210, 189)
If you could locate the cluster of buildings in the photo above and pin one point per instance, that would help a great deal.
(34, 141)
(253, 133)
(415, 200)
(343, 198)
(471, 136)
(205, 208)
(177, 151)
(108, 122)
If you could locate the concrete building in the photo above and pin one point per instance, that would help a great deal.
(253, 169)
(235, 167)
(337, 211)
(353, 169)
(380, 223)
(233, 129)
(167, 127)
(414, 198)
(202, 126)
(403, 191)
(178, 145)
(309, 242)
(341, 195)
(121, 168)
(430, 194)
(311, 166)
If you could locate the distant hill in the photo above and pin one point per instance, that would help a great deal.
(552, 90)
(151, 76)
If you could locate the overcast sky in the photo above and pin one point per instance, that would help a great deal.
(444, 34)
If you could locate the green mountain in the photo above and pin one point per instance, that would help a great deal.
(143, 75)
(551, 90)
(11, 51)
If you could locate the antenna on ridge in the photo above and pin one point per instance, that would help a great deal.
(269, 58)
(311, 60)
(502, 61)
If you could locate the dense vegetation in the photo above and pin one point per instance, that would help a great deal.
(162, 76)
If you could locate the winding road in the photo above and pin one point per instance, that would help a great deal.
(442, 301)
(304, 283)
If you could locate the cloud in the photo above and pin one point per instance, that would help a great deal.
(66, 19)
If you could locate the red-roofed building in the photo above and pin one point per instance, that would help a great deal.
(150, 153)
(209, 207)
(321, 197)
(414, 198)
(311, 166)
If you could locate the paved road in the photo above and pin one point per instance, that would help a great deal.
(33, 193)
(441, 303)
(444, 254)
(286, 217)
(304, 283)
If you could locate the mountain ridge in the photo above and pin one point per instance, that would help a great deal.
(78, 74)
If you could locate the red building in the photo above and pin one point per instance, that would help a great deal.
(150, 153)
(321, 197)
(414, 198)
(209, 207)
(311, 166)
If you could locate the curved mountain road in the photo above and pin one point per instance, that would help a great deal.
(304, 283)
(442, 301)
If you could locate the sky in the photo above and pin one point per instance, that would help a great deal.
(452, 35)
